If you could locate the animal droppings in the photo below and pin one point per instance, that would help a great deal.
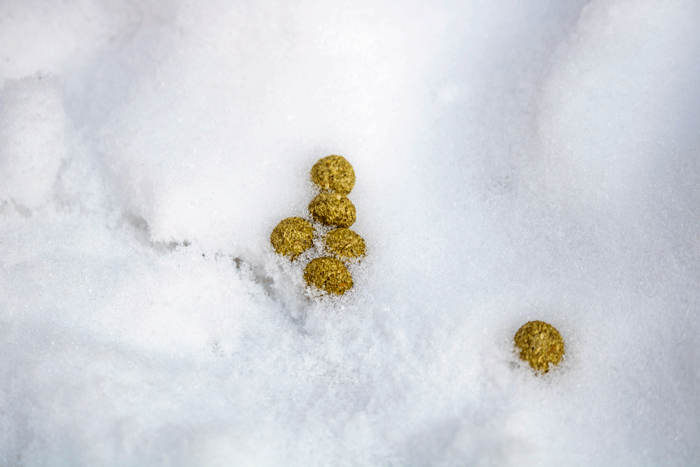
(329, 275)
(345, 244)
(333, 173)
(540, 344)
(333, 209)
(292, 237)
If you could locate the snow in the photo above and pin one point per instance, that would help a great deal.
(515, 161)
(32, 147)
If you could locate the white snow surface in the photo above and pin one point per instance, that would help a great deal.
(515, 160)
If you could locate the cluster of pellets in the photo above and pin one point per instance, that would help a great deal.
(335, 178)
(538, 343)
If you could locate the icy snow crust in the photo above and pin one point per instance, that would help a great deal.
(515, 160)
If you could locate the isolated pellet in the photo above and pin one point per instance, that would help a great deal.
(540, 344)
